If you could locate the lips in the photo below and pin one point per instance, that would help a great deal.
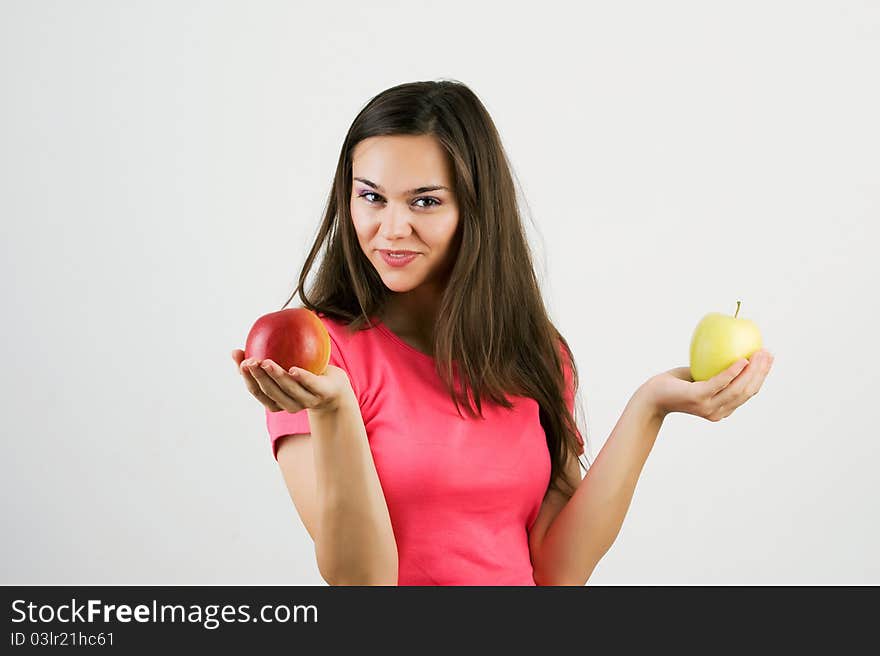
(398, 252)
(398, 261)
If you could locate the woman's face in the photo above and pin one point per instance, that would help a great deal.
(390, 214)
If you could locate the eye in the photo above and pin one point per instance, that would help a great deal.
(433, 201)
(368, 193)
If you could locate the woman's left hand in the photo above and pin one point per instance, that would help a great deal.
(713, 399)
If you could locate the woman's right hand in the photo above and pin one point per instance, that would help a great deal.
(278, 390)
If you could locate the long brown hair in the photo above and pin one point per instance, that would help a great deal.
(492, 328)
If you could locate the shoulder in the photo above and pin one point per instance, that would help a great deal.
(341, 333)
(352, 349)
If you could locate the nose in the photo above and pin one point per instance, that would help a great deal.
(395, 224)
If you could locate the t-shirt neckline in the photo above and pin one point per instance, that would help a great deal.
(397, 340)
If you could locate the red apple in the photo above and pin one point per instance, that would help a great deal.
(295, 337)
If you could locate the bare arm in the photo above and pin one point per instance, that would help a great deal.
(355, 542)
(587, 525)
(330, 473)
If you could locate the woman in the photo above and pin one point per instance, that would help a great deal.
(429, 295)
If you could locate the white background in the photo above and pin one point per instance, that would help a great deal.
(163, 170)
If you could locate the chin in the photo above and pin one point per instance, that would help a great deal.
(399, 286)
(401, 281)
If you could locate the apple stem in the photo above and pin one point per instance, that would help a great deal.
(737, 310)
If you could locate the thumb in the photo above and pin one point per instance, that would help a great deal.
(724, 379)
(312, 382)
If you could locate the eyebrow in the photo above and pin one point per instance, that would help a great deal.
(417, 190)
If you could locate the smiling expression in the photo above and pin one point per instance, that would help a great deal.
(403, 200)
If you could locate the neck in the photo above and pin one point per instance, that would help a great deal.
(412, 313)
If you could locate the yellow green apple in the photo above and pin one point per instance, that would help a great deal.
(719, 340)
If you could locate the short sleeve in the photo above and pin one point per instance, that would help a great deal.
(569, 392)
(291, 423)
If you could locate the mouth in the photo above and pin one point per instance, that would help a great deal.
(398, 259)
(398, 253)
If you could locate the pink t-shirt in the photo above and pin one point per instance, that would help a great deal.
(462, 493)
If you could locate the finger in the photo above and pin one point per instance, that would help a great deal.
(722, 380)
(289, 385)
(318, 385)
(254, 388)
(744, 386)
(736, 393)
(758, 380)
(270, 387)
(237, 356)
(297, 400)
